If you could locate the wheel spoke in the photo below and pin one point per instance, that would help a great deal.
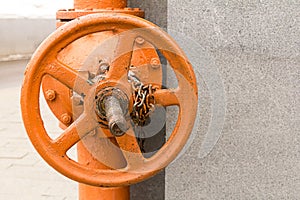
(68, 76)
(131, 149)
(122, 58)
(166, 97)
(74, 133)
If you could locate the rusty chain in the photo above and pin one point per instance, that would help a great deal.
(144, 101)
(143, 106)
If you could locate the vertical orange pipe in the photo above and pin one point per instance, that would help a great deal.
(87, 192)
(99, 4)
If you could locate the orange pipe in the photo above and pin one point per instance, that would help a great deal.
(90, 193)
(99, 4)
(87, 192)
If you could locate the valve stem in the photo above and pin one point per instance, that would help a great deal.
(115, 116)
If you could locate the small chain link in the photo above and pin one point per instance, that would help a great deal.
(143, 103)
(143, 106)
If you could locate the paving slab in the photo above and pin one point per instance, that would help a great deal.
(23, 173)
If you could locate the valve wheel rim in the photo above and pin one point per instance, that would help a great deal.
(42, 64)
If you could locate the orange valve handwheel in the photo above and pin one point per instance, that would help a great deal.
(45, 63)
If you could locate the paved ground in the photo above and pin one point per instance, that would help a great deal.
(23, 173)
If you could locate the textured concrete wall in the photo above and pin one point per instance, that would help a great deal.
(254, 47)
(156, 11)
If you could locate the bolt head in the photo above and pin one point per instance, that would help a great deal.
(50, 95)
(140, 40)
(66, 118)
(155, 63)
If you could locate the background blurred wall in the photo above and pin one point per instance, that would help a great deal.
(25, 24)
(19, 37)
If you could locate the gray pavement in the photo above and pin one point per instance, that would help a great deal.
(23, 173)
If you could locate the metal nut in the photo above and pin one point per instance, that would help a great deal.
(155, 63)
(66, 118)
(50, 95)
(140, 40)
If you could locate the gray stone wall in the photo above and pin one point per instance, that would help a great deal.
(156, 11)
(254, 47)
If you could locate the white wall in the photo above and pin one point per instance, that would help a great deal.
(32, 8)
(24, 24)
